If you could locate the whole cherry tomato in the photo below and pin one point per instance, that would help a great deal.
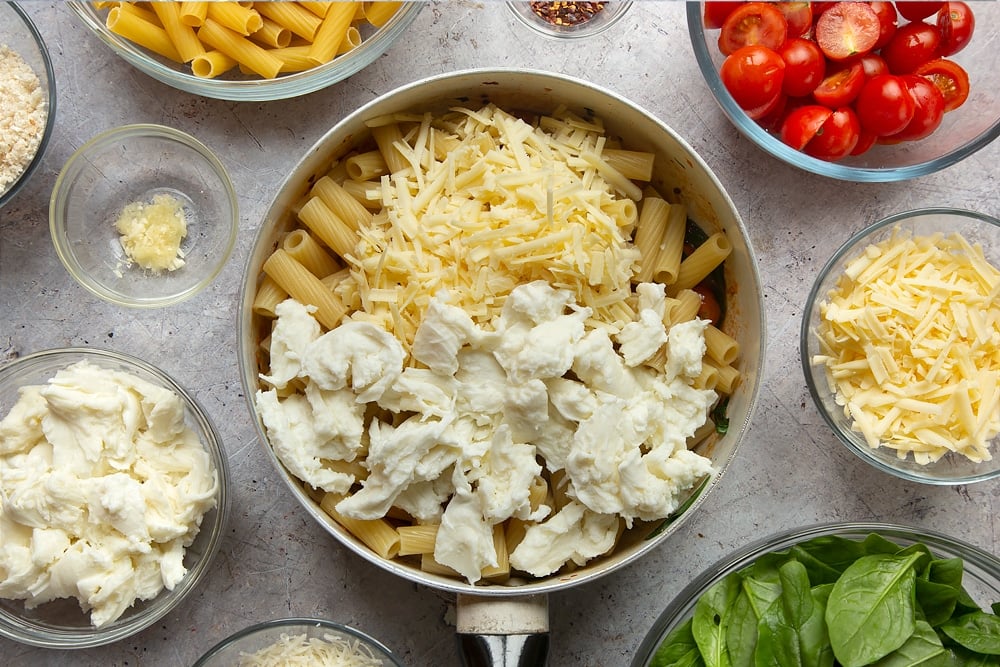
(928, 109)
(753, 23)
(887, 22)
(918, 9)
(805, 66)
(956, 23)
(884, 105)
(873, 64)
(753, 75)
(912, 46)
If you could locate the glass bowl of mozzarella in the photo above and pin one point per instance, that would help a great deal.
(454, 335)
(899, 340)
(255, 52)
(115, 488)
(299, 641)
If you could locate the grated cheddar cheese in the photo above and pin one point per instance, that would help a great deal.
(910, 343)
(506, 203)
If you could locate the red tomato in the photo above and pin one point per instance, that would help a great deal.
(837, 137)
(865, 141)
(950, 79)
(884, 106)
(753, 75)
(820, 7)
(802, 123)
(771, 114)
(716, 12)
(917, 10)
(956, 23)
(841, 86)
(928, 109)
(798, 15)
(873, 65)
(912, 46)
(753, 23)
(847, 29)
(887, 22)
(804, 66)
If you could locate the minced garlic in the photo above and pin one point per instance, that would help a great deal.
(151, 232)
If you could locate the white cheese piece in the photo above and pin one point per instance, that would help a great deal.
(503, 479)
(294, 330)
(464, 540)
(358, 355)
(574, 533)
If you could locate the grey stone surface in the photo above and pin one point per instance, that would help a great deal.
(275, 561)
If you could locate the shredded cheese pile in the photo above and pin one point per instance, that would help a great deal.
(294, 650)
(490, 202)
(910, 341)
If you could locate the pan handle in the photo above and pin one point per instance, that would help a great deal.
(503, 632)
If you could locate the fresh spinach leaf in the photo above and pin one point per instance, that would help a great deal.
(922, 649)
(678, 649)
(871, 610)
(741, 631)
(814, 639)
(978, 631)
(779, 643)
(827, 557)
(938, 593)
(963, 657)
(709, 622)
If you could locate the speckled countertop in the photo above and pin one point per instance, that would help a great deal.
(275, 561)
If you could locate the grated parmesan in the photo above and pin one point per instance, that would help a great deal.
(23, 112)
(910, 343)
(295, 650)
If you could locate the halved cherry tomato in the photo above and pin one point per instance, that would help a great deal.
(753, 23)
(912, 46)
(802, 123)
(837, 137)
(884, 106)
(950, 78)
(716, 11)
(847, 29)
(928, 109)
(956, 23)
(887, 22)
(873, 64)
(840, 86)
(753, 75)
(804, 66)
(820, 7)
(771, 114)
(798, 15)
(917, 10)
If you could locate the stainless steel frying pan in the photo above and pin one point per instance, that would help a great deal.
(508, 624)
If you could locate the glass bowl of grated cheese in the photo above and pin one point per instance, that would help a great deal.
(298, 641)
(899, 345)
(27, 99)
(143, 215)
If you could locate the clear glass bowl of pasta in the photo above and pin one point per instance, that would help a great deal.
(980, 577)
(65, 622)
(143, 215)
(345, 44)
(21, 46)
(907, 377)
(318, 640)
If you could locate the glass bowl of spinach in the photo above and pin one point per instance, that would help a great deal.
(846, 594)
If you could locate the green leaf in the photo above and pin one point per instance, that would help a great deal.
(741, 631)
(938, 592)
(827, 557)
(814, 640)
(963, 657)
(922, 649)
(978, 631)
(678, 649)
(709, 622)
(871, 610)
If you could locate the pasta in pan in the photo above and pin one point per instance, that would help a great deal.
(397, 370)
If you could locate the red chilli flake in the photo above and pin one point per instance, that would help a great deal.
(567, 13)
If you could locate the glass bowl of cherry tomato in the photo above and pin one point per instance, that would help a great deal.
(859, 91)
